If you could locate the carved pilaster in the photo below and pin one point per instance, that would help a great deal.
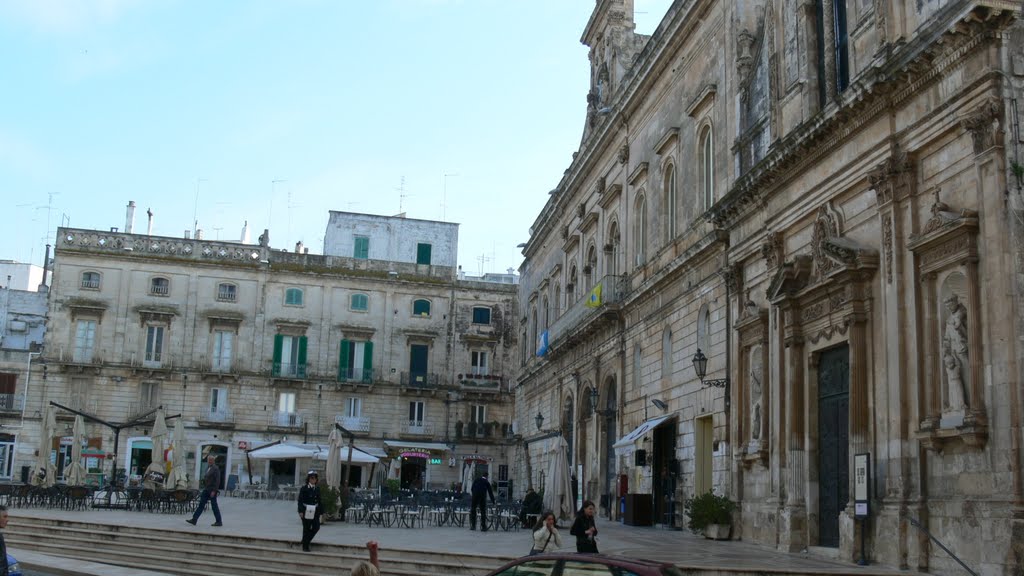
(985, 124)
(829, 43)
(771, 250)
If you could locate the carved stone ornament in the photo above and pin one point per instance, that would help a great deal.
(827, 226)
(943, 216)
(984, 124)
(581, 210)
(744, 55)
(771, 249)
(887, 246)
(601, 184)
(623, 153)
(890, 174)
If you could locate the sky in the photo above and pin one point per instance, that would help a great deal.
(274, 112)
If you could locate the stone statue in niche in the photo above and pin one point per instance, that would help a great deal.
(954, 353)
(755, 392)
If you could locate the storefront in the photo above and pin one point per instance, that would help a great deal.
(414, 463)
(647, 492)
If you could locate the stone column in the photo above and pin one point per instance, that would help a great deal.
(829, 48)
(793, 520)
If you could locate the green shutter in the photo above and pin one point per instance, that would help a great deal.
(301, 368)
(423, 253)
(278, 340)
(368, 362)
(343, 361)
(362, 248)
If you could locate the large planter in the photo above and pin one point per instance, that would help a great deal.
(717, 531)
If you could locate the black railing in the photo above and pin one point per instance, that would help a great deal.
(288, 370)
(420, 379)
(355, 375)
(916, 524)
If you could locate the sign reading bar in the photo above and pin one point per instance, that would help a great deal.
(435, 460)
(861, 480)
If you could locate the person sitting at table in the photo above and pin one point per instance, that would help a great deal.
(531, 506)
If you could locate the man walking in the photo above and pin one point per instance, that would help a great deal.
(211, 486)
(3, 544)
(481, 488)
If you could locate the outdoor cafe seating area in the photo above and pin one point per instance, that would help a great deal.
(66, 497)
(418, 509)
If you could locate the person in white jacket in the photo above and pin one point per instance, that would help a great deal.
(545, 535)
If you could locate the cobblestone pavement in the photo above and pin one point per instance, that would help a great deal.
(275, 519)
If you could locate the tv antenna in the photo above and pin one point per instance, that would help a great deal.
(481, 259)
(401, 194)
(270, 205)
(195, 207)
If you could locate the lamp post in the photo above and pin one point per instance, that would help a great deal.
(595, 402)
(700, 366)
(539, 420)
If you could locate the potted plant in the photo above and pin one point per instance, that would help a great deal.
(393, 486)
(458, 429)
(471, 429)
(710, 514)
(329, 500)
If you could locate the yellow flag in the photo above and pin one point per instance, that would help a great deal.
(594, 299)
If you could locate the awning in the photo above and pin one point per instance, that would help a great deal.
(417, 446)
(283, 452)
(358, 456)
(627, 442)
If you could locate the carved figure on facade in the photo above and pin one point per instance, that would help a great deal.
(744, 54)
(623, 153)
(955, 355)
(826, 226)
(942, 215)
(756, 375)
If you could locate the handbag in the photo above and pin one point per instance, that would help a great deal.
(535, 551)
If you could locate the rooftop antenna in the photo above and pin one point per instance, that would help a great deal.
(481, 259)
(195, 208)
(444, 197)
(290, 206)
(270, 205)
(401, 194)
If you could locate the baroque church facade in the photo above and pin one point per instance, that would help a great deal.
(785, 265)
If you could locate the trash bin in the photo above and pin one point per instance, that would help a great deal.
(25, 471)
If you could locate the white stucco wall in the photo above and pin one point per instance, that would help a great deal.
(392, 238)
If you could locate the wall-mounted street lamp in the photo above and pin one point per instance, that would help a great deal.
(700, 366)
(595, 401)
(539, 420)
(659, 404)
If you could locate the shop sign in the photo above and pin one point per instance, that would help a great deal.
(243, 445)
(414, 455)
(435, 460)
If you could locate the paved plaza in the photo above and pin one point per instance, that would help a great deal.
(278, 520)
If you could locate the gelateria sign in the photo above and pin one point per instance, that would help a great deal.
(414, 455)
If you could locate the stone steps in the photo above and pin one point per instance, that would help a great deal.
(187, 553)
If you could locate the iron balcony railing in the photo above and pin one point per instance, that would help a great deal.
(137, 409)
(420, 379)
(355, 375)
(354, 423)
(419, 428)
(11, 402)
(281, 419)
(218, 415)
(92, 284)
(289, 370)
(592, 303)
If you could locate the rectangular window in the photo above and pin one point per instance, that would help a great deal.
(289, 356)
(79, 393)
(478, 413)
(482, 315)
(286, 402)
(416, 413)
(354, 408)
(149, 395)
(423, 253)
(418, 354)
(154, 345)
(479, 363)
(85, 336)
(355, 362)
(218, 400)
(222, 343)
(362, 248)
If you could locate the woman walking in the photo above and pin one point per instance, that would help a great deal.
(545, 535)
(310, 509)
(584, 529)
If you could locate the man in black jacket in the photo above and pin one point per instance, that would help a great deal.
(481, 488)
(310, 509)
(211, 486)
(3, 544)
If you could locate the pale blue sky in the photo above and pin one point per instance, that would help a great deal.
(106, 101)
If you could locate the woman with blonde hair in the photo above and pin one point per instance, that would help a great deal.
(545, 535)
(371, 568)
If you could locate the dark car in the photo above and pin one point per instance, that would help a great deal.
(12, 566)
(565, 564)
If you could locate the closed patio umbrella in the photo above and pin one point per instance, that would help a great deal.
(75, 475)
(179, 475)
(333, 472)
(467, 475)
(157, 469)
(558, 492)
(44, 472)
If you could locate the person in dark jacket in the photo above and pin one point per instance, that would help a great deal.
(3, 544)
(481, 488)
(211, 486)
(584, 529)
(531, 507)
(309, 496)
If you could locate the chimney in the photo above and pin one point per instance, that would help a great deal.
(188, 234)
(46, 270)
(129, 218)
(199, 233)
(246, 238)
(149, 228)
(298, 247)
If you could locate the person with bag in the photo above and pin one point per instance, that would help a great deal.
(584, 529)
(211, 485)
(310, 509)
(545, 535)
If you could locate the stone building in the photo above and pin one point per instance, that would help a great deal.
(816, 204)
(22, 328)
(253, 345)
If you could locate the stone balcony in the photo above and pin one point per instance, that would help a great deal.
(354, 424)
(583, 316)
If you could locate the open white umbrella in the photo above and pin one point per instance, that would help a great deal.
(179, 475)
(157, 469)
(333, 473)
(75, 474)
(558, 492)
(44, 472)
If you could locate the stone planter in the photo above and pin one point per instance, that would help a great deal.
(717, 531)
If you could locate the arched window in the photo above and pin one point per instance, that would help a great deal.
(611, 250)
(640, 229)
(704, 329)
(533, 331)
(547, 312)
(359, 302)
(293, 297)
(570, 288)
(557, 301)
(91, 280)
(590, 270)
(707, 167)
(421, 307)
(159, 286)
(671, 202)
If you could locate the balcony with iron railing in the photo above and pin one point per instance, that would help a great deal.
(364, 375)
(290, 420)
(139, 409)
(595, 304)
(427, 380)
(289, 370)
(11, 402)
(481, 382)
(357, 424)
(418, 428)
(217, 417)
